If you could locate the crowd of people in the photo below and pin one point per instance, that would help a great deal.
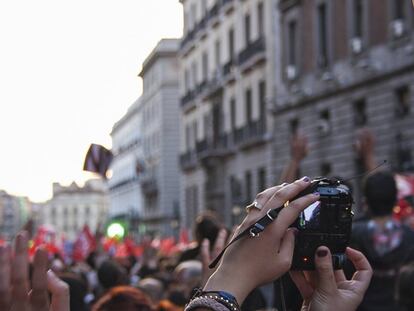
(378, 276)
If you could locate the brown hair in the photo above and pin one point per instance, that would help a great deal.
(124, 298)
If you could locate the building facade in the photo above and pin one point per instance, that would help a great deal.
(73, 207)
(228, 74)
(126, 199)
(346, 65)
(160, 138)
(14, 213)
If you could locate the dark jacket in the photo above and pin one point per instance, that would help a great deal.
(385, 258)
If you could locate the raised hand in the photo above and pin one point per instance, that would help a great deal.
(251, 262)
(16, 292)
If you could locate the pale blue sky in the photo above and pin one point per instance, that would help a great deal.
(68, 71)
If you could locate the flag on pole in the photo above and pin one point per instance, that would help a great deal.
(84, 244)
(97, 160)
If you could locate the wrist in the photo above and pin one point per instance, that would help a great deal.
(231, 284)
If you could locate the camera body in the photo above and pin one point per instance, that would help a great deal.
(326, 222)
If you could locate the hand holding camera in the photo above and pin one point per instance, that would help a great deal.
(319, 208)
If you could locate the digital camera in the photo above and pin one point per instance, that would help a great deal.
(326, 222)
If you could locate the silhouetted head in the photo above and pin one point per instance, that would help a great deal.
(380, 190)
(111, 274)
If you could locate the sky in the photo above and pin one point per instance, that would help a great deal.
(68, 72)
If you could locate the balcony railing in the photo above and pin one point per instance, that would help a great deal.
(211, 15)
(210, 147)
(188, 160)
(251, 134)
(214, 11)
(187, 98)
(252, 49)
(227, 68)
(149, 184)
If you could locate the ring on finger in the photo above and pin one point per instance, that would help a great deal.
(255, 205)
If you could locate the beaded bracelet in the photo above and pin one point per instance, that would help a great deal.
(215, 300)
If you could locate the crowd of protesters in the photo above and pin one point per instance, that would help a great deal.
(379, 274)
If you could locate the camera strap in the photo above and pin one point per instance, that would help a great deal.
(252, 231)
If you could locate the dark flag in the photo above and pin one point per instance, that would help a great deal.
(97, 160)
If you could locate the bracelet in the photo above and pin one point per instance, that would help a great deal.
(214, 300)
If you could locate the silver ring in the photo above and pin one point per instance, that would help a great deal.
(255, 205)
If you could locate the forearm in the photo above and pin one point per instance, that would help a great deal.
(290, 172)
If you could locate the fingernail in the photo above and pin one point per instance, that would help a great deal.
(316, 193)
(322, 253)
(295, 231)
(306, 179)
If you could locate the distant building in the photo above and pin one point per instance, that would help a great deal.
(126, 199)
(345, 65)
(160, 137)
(14, 213)
(73, 206)
(228, 75)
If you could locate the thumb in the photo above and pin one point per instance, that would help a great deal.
(324, 269)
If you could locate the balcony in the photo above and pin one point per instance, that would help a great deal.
(187, 101)
(201, 28)
(188, 38)
(250, 135)
(188, 160)
(215, 85)
(254, 53)
(213, 15)
(228, 6)
(228, 68)
(149, 183)
(214, 148)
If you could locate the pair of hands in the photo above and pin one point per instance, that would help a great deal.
(16, 292)
(252, 262)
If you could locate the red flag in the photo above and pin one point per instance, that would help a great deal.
(46, 237)
(84, 244)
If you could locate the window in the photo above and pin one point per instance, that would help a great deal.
(248, 105)
(293, 126)
(324, 125)
(292, 43)
(399, 9)
(248, 184)
(194, 75)
(186, 84)
(262, 100)
(322, 36)
(195, 132)
(358, 18)
(260, 19)
(231, 43)
(402, 108)
(193, 16)
(233, 114)
(217, 53)
(205, 66)
(187, 138)
(261, 179)
(360, 115)
(247, 29)
(204, 7)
